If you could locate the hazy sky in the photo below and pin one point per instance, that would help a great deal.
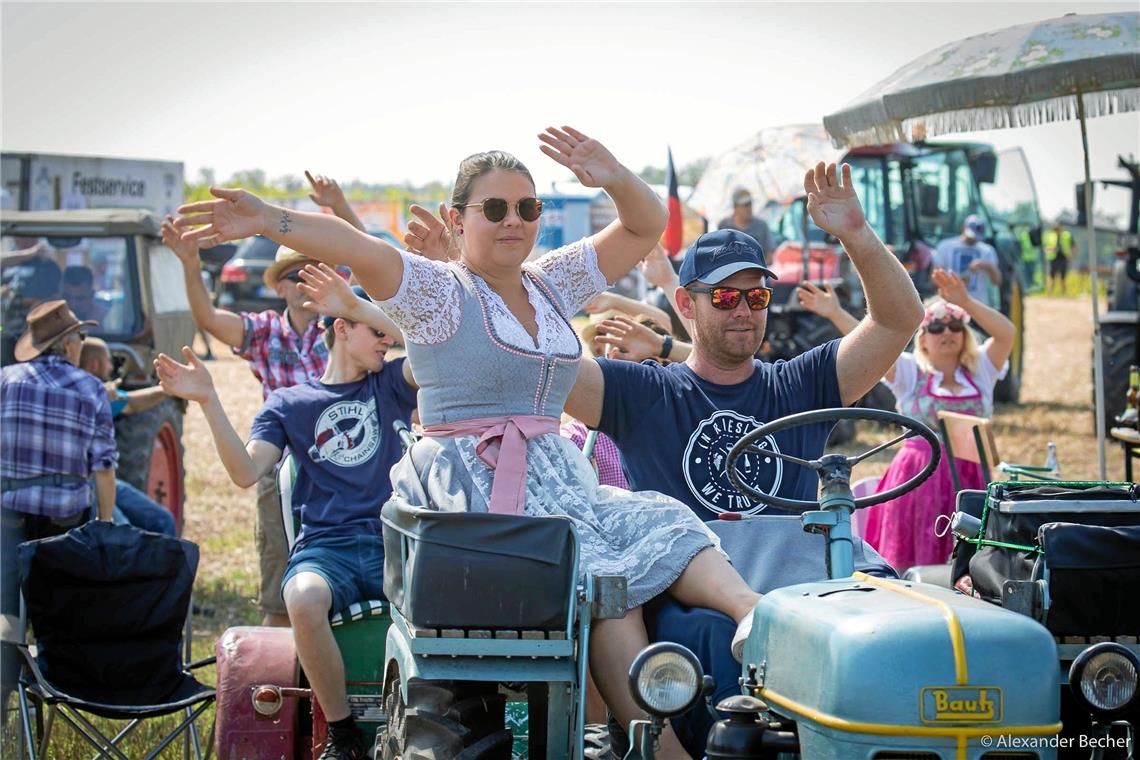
(388, 92)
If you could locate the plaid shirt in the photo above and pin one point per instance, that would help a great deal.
(277, 356)
(606, 458)
(54, 418)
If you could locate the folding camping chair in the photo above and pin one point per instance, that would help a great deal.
(971, 438)
(107, 604)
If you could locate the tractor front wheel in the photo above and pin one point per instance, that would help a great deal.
(453, 719)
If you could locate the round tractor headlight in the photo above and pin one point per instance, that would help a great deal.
(665, 679)
(1104, 678)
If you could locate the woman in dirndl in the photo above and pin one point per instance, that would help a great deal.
(948, 371)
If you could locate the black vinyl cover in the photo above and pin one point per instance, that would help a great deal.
(1094, 579)
(484, 571)
(971, 502)
(107, 604)
(991, 566)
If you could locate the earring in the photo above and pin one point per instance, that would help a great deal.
(460, 230)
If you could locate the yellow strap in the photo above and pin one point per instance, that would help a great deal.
(957, 640)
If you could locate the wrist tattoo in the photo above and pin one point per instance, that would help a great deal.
(284, 228)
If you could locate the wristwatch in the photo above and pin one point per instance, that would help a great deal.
(666, 347)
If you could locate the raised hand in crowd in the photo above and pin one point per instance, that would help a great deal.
(235, 214)
(623, 337)
(658, 271)
(186, 250)
(326, 192)
(610, 301)
(191, 381)
(431, 237)
(332, 296)
(591, 162)
(833, 206)
(825, 303)
(951, 287)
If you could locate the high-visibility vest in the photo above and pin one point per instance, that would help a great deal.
(1049, 243)
(1028, 250)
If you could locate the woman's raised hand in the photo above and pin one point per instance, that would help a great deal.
(833, 206)
(430, 237)
(818, 301)
(236, 214)
(591, 162)
(950, 286)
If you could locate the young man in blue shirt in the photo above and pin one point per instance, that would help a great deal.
(675, 424)
(339, 430)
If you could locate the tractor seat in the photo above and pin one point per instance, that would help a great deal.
(487, 572)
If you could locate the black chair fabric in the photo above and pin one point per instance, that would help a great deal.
(107, 604)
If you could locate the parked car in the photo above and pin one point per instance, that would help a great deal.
(240, 285)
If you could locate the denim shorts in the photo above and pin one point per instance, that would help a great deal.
(353, 566)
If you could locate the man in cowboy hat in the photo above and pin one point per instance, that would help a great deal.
(283, 349)
(55, 436)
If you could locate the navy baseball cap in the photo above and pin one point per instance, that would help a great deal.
(715, 256)
(327, 320)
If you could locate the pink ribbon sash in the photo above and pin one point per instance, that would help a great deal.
(502, 447)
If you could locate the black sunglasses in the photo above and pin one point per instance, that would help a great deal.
(937, 328)
(495, 209)
(293, 277)
(728, 299)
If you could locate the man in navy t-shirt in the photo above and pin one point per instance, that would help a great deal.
(339, 431)
(675, 424)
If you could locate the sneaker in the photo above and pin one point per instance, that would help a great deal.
(743, 631)
(344, 745)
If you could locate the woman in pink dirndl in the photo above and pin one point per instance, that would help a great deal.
(948, 371)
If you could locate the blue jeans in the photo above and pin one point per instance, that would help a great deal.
(133, 507)
(352, 566)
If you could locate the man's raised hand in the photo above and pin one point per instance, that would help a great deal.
(326, 192)
(185, 250)
(833, 205)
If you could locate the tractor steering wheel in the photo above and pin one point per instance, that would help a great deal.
(749, 444)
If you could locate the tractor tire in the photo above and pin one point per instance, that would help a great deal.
(1118, 352)
(445, 720)
(596, 742)
(150, 455)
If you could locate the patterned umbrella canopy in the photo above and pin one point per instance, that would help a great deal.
(1019, 76)
(770, 165)
(1065, 68)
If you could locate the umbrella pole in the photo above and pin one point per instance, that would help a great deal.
(1098, 366)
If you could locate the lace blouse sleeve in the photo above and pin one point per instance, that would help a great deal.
(428, 306)
(574, 273)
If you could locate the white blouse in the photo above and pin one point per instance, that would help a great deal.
(428, 304)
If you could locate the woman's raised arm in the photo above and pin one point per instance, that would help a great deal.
(641, 217)
(237, 214)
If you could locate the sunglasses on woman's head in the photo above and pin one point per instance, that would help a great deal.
(728, 299)
(937, 328)
(495, 209)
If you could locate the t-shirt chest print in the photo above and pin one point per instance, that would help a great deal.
(346, 434)
(706, 457)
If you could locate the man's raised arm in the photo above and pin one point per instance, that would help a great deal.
(894, 310)
(223, 325)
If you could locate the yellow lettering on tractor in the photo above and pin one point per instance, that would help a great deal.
(957, 704)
